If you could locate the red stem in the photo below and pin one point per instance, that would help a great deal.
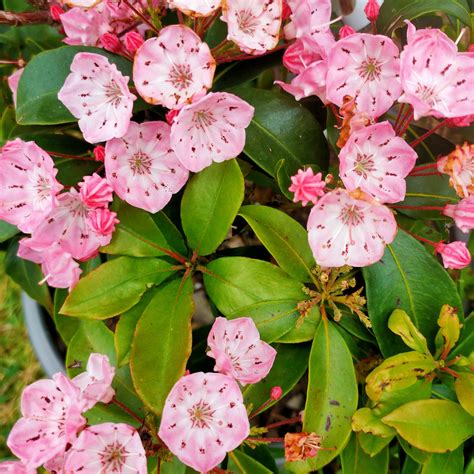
(433, 173)
(289, 421)
(406, 121)
(417, 237)
(266, 440)
(416, 142)
(419, 208)
(74, 157)
(127, 410)
(399, 116)
(141, 15)
(180, 18)
(423, 167)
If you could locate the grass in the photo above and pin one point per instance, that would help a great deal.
(18, 364)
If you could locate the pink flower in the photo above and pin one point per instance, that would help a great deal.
(99, 153)
(142, 167)
(111, 42)
(455, 255)
(196, 7)
(95, 384)
(210, 129)
(375, 160)
(238, 350)
(309, 18)
(307, 186)
(462, 213)
(108, 447)
(173, 67)
(346, 31)
(133, 41)
(349, 229)
(301, 54)
(254, 26)
(82, 3)
(102, 221)
(15, 467)
(464, 121)
(436, 79)
(28, 185)
(51, 418)
(13, 81)
(371, 10)
(97, 94)
(366, 68)
(204, 418)
(95, 191)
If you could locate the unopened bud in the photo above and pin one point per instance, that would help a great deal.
(286, 11)
(111, 42)
(371, 10)
(55, 11)
(171, 115)
(99, 153)
(276, 393)
(133, 41)
(346, 31)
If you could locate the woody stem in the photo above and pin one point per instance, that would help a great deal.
(399, 116)
(26, 18)
(289, 421)
(419, 208)
(141, 16)
(405, 121)
(416, 142)
(127, 410)
(266, 440)
(423, 167)
(74, 157)
(432, 173)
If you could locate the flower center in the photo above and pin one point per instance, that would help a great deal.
(370, 69)
(181, 76)
(140, 163)
(113, 456)
(247, 22)
(426, 94)
(42, 187)
(113, 93)
(363, 165)
(203, 119)
(351, 215)
(201, 415)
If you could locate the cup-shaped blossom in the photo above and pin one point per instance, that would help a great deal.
(203, 419)
(375, 160)
(349, 229)
(307, 186)
(13, 81)
(173, 67)
(253, 25)
(459, 165)
(142, 167)
(210, 129)
(95, 191)
(367, 68)
(309, 18)
(97, 94)
(197, 8)
(462, 213)
(95, 383)
(28, 185)
(108, 447)
(15, 467)
(51, 418)
(238, 351)
(455, 255)
(299, 55)
(436, 79)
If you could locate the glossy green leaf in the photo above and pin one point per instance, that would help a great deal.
(465, 345)
(294, 356)
(210, 203)
(44, 75)
(282, 129)
(65, 325)
(241, 463)
(464, 386)
(162, 343)
(284, 238)
(173, 466)
(401, 324)
(356, 461)
(411, 279)
(114, 287)
(303, 332)
(7, 231)
(435, 426)
(414, 453)
(449, 330)
(372, 444)
(366, 420)
(411, 467)
(445, 463)
(393, 13)
(331, 398)
(241, 286)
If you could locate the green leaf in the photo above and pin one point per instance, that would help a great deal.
(414, 453)
(141, 235)
(241, 286)
(411, 279)
(371, 444)
(241, 463)
(162, 343)
(446, 463)
(411, 467)
(401, 324)
(332, 396)
(28, 275)
(435, 426)
(114, 287)
(7, 231)
(284, 238)
(65, 325)
(173, 466)
(464, 386)
(294, 356)
(282, 129)
(44, 75)
(304, 332)
(466, 342)
(393, 13)
(210, 203)
(449, 330)
(356, 461)
(366, 420)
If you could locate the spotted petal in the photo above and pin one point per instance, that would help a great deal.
(196, 7)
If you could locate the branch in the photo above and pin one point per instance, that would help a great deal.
(27, 18)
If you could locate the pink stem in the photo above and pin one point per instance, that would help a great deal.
(416, 142)
(417, 237)
(290, 421)
(127, 410)
(419, 208)
(433, 173)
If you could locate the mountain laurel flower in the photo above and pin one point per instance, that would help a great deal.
(51, 418)
(107, 447)
(133, 41)
(99, 153)
(212, 129)
(462, 213)
(142, 167)
(102, 221)
(372, 10)
(238, 350)
(375, 160)
(254, 26)
(95, 191)
(436, 79)
(367, 68)
(173, 67)
(97, 94)
(459, 165)
(196, 8)
(454, 255)
(301, 446)
(15, 467)
(204, 418)
(111, 42)
(349, 228)
(346, 31)
(13, 81)
(28, 185)
(309, 18)
(307, 186)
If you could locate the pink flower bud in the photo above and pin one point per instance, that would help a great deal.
(110, 42)
(102, 220)
(286, 11)
(99, 153)
(95, 191)
(346, 31)
(171, 115)
(133, 41)
(371, 10)
(55, 11)
(462, 213)
(307, 186)
(276, 393)
(455, 255)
